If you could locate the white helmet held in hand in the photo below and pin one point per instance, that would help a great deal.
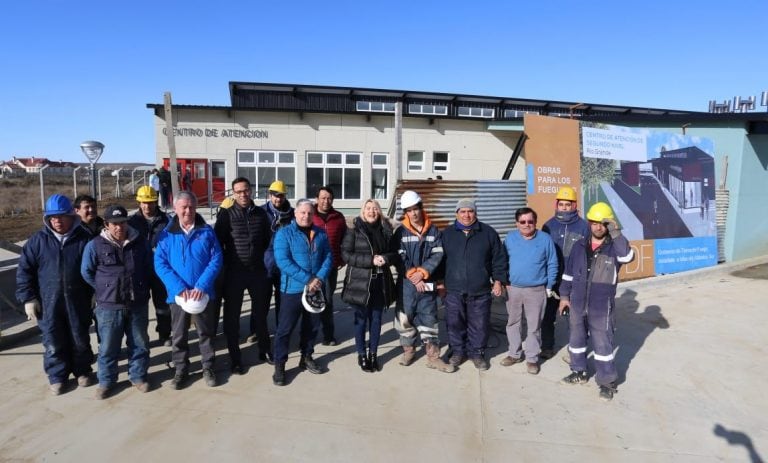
(408, 199)
(192, 307)
(313, 303)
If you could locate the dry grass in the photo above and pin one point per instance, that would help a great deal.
(21, 205)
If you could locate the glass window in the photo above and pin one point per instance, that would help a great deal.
(466, 111)
(264, 167)
(379, 176)
(428, 109)
(440, 161)
(415, 161)
(339, 171)
(375, 106)
(245, 156)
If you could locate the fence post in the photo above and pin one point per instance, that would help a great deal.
(42, 188)
(74, 181)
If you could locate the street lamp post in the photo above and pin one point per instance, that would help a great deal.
(92, 150)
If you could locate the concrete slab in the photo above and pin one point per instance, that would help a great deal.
(691, 358)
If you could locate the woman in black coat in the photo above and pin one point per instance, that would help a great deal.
(368, 285)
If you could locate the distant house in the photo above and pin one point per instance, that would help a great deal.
(9, 169)
(33, 165)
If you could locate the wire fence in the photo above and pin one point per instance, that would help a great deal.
(26, 193)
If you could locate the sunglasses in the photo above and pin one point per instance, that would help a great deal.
(526, 222)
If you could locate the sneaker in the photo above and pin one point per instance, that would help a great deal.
(55, 388)
(178, 380)
(533, 368)
(330, 342)
(546, 354)
(509, 361)
(100, 393)
(84, 381)
(252, 338)
(481, 363)
(457, 360)
(309, 364)
(606, 392)
(576, 377)
(142, 386)
(210, 377)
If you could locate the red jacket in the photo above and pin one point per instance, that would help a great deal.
(335, 225)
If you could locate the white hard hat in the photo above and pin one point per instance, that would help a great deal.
(408, 199)
(313, 303)
(193, 307)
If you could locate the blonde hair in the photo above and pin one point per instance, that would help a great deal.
(375, 203)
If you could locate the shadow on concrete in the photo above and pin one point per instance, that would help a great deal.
(633, 328)
(757, 272)
(738, 438)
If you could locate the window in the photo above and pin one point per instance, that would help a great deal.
(379, 175)
(439, 110)
(415, 161)
(440, 161)
(340, 171)
(511, 113)
(264, 167)
(466, 111)
(375, 106)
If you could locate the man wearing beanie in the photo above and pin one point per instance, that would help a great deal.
(475, 268)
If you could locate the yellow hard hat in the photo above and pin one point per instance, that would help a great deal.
(600, 212)
(566, 193)
(278, 186)
(227, 202)
(146, 194)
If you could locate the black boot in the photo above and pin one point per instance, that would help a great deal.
(373, 362)
(362, 361)
(278, 379)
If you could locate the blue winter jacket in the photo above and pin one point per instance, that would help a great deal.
(300, 258)
(50, 271)
(473, 259)
(566, 228)
(188, 261)
(594, 285)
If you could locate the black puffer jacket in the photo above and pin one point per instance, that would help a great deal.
(357, 252)
(244, 235)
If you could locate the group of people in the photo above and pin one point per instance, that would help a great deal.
(188, 268)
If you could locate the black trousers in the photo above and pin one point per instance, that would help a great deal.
(258, 287)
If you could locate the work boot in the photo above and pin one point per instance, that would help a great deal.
(362, 362)
(409, 352)
(533, 368)
(142, 386)
(606, 392)
(546, 354)
(309, 364)
(576, 377)
(434, 361)
(55, 388)
(457, 359)
(373, 362)
(178, 380)
(509, 361)
(84, 380)
(278, 378)
(480, 363)
(210, 377)
(101, 392)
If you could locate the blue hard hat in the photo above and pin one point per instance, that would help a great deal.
(57, 205)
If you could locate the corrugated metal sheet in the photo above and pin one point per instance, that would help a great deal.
(722, 200)
(497, 200)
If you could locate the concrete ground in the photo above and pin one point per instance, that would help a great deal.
(691, 356)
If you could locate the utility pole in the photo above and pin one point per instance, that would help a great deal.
(171, 144)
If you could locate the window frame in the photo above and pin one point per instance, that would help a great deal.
(385, 168)
(276, 164)
(481, 109)
(421, 163)
(446, 164)
(344, 166)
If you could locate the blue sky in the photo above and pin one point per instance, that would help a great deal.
(73, 71)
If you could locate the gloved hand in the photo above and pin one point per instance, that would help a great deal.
(33, 309)
(552, 293)
(613, 229)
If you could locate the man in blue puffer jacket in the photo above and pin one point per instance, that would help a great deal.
(303, 255)
(565, 228)
(49, 284)
(187, 259)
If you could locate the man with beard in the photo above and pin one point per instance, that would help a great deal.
(588, 291)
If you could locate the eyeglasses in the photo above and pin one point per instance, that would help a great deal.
(526, 222)
(279, 195)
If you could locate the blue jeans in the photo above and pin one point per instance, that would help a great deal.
(290, 311)
(113, 323)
